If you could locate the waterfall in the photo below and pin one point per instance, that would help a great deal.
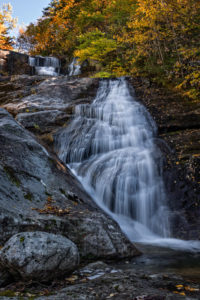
(45, 65)
(74, 67)
(110, 148)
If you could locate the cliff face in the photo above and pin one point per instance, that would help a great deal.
(178, 122)
(14, 63)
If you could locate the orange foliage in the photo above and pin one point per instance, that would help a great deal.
(6, 24)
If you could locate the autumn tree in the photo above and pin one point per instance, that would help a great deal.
(165, 35)
(7, 23)
(101, 22)
(154, 38)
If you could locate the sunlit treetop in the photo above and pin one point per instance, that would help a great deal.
(7, 23)
(154, 38)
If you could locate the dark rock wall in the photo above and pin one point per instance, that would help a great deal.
(178, 121)
(14, 63)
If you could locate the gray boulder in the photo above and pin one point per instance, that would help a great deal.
(39, 255)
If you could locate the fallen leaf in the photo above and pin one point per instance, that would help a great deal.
(191, 289)
(179, 286)
(72, 278)
(111, 295)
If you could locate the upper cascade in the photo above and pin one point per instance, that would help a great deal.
(110, 147)
(74, 67)
(45, 65)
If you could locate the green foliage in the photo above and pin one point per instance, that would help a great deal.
(167, 46)
(95, 45)
(103, 74)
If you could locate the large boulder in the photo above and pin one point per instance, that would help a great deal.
(39, 255)
(39, 193)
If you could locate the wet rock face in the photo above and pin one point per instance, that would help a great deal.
(98, 235)
(43, 105)
(38, 193)
(14, 88)
(39, 255)
(57, 93)
(43, 121)
(178, 122)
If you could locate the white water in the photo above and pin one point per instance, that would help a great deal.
(49, 66)
(110, 148)
(74, 68)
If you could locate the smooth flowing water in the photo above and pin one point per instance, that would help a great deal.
(45, 65)
(74, 67)
(110, 147)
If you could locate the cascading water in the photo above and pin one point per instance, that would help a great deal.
(109, 146)
(45, 65)
(74, 67)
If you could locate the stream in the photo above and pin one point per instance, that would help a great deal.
(160, 260)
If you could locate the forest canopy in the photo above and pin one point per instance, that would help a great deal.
(159, 39)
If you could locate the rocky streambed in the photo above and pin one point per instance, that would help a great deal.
(50, 228)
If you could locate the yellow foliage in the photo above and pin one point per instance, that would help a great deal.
(6, 23)
(158, 39)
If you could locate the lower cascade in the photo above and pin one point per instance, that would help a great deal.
(110, 148)
(45, 65)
